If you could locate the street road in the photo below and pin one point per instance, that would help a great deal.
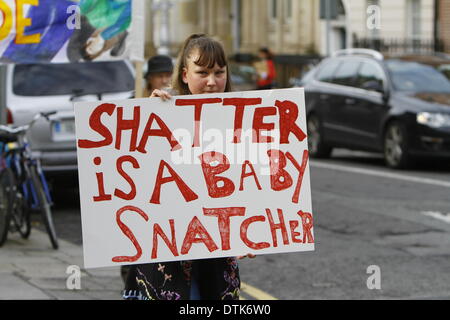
(369, 221)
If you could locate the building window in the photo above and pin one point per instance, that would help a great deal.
(414, 19)
(340, 8)
(335, 9)
(373, 25)
(288, 9)
(273, 9)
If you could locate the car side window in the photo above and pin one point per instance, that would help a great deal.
(346, 73)
(326, 72)
(369, 73)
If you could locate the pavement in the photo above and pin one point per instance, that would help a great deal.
(31, 269)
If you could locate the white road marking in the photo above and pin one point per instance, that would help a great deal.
(434, 182)
(438, 215)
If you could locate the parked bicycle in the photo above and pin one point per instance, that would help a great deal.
(23, 187)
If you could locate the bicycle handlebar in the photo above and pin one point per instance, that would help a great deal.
(24, 128)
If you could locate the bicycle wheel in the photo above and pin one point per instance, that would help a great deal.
(20, 213)
(5, 204)
(17, 208)
(44, 206)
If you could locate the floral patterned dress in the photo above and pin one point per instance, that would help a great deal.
(218, 279)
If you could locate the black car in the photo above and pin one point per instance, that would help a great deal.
(359, 99)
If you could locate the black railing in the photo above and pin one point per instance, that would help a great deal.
(400, 46)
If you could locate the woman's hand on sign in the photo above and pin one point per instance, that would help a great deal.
(164, 95)
(250, 255)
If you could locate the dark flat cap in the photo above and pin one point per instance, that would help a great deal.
(159, 63)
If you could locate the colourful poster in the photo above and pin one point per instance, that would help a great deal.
(56, 31)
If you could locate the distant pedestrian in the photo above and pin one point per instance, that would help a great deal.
(202, 68)
(265, 69)
(159, 73)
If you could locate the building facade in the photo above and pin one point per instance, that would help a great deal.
(393, 26)
(289, 28)
(293, 29)
(285, 26)
(443, 24)
(297, 27)
(398, 19)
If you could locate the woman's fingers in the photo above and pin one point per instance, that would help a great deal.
(249, 255)
(164, 95)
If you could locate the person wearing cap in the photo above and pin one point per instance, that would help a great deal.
(159, 73)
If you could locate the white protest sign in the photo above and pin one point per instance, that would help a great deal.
(198, 176)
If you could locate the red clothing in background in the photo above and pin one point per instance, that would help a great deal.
(268, 81)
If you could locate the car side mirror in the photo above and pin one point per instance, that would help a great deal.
(373, 85)
(386, 96)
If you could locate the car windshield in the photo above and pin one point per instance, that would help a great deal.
(445, 69)
(417, 77)
(72, 78)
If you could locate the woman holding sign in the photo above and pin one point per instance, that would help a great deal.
(202, 68)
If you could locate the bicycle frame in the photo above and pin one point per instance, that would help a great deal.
(29, 178)
(19, 159)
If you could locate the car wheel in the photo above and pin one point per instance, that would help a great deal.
(316, 145)
(396, 146)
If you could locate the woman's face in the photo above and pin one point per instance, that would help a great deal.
(262, 55)
(202, 79)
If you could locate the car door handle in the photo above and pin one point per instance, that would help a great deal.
(350, 101)
(324, 96)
